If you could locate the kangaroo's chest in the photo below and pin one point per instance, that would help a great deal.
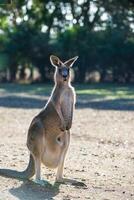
(66, 97)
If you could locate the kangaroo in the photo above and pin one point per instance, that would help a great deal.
(49, 132)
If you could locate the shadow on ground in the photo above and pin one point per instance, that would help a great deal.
(110, 104)
(31, 191)
(13, 101)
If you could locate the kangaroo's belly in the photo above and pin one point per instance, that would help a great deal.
(51, 159)
(54, 149)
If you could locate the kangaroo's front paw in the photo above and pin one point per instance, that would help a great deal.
(62, 127)
(68, 127)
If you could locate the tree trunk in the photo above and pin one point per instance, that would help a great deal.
(13, 71)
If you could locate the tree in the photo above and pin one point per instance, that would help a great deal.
(96, 30)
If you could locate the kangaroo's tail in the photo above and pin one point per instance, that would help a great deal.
(26, 174)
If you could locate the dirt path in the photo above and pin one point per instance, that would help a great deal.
(101, 154)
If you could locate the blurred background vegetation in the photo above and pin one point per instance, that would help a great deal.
(100, 32)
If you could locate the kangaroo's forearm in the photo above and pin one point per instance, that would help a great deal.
(68, 116)
(68, 122)
(61, 116)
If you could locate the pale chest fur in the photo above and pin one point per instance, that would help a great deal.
(67, 96)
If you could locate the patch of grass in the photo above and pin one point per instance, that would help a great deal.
(112, 91)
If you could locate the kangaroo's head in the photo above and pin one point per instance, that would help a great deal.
(62, 72)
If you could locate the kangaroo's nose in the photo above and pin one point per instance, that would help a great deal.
(64, 74)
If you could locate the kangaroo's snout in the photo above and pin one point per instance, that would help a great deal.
(65, 75)
(64, 72)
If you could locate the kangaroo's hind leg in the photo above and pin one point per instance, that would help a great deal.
(37, 168)
(59, 175)
(38, 179)
(35, 143)
(37, 153)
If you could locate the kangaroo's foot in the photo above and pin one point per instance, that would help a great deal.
(41, 182)
(59, 179)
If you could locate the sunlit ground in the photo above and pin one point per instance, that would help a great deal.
(101, 153)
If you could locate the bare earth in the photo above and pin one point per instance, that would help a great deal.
(100, 160)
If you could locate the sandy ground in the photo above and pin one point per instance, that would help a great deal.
(101, 153)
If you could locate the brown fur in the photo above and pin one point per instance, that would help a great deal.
(49, 133)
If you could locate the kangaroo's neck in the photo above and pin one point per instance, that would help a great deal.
(58, 89)
(59, 85)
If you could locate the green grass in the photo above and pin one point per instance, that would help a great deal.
(112, 91)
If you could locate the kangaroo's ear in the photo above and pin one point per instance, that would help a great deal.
(55, 61)
(70, 62)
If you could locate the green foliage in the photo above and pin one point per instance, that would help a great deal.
(4, 61)
(28, 45)
(108, 50)
(32, 30)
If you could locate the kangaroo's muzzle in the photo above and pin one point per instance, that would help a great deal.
(65, 73)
